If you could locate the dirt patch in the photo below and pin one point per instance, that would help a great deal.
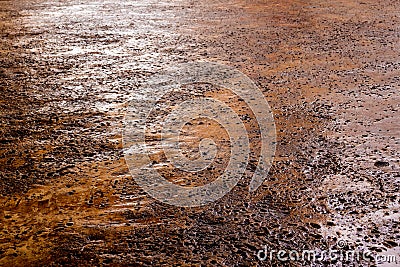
(328, 70)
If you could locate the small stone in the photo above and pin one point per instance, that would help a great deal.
(381, 164)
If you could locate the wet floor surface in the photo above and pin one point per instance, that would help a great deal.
(329, 70)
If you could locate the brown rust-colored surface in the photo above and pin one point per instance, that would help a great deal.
(329, 71)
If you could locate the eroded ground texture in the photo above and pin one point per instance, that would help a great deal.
(329, 70)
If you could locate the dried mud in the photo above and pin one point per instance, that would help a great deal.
(329, 70)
